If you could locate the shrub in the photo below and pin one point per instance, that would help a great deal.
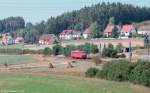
(101, 74)
(47, 51)
(57, 50)
(110, 52)
(123, 70)
(91, 72)
(67, 50)
(119, 48)
(88, 48)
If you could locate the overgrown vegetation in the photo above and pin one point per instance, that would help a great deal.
(122, 70)
(56, 50)
(110, 51)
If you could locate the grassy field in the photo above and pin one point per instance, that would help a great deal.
(31, 83)
(13, 59)
(142, 52)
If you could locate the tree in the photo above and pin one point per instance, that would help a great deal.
(115, 33)
(111, 21)
(57, 50)
(119, 48)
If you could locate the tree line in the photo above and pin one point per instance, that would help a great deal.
(11, 24)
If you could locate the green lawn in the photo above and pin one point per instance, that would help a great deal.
(58, 84)
(13, 59)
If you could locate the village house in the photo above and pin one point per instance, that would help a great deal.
(7, 39)
(87, 34)
(127, 30)
(144, 29)
(48, 39)
(70, 34)
(19, 40)
(108, 31)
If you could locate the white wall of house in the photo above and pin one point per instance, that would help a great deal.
(69, 37)
(126, 34)
(10, 41)
(85, 36)
(144, 32)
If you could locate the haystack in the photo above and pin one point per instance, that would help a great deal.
(69, 65)
(50, 66)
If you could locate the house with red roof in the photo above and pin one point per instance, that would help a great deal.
(19, 40)
(47, 39)
(108, 31)
(69, 34)
(144, 29)
(127, 30)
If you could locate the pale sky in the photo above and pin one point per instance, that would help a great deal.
(37, 10)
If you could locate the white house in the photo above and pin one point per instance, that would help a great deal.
(70, 34)
(7, 39)
(127, 30)
(145, 29)
(47, 39)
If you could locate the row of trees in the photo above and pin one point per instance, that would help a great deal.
(56, 50)
(66, 51)
(138, 72)
(11, 24)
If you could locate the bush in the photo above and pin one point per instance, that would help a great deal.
(117, 71)
(91, 72)
(67, 50)
(100, 74)
(88, 48)
(110, 52)
(119, 48)
(47, 51)
(123, 70)
(57, 50)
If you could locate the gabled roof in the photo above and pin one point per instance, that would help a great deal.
(127, 28)
(144, 28)
(87, 31)
(70, 32)
(109, 29)
(47, 37)
(19, 38)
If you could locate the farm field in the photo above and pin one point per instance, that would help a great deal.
(13, 59)
(49, 83)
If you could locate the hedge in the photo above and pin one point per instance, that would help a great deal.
(138, 72)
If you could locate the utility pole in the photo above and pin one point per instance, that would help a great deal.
(100, 48)
(130, 51)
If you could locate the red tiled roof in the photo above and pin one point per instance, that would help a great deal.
(47, 37)
(126, 28)
(144, 28)
(70, 32)
(109, 29)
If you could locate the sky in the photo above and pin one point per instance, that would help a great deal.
(36, 10)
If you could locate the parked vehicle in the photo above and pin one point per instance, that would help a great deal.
(78, 54)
